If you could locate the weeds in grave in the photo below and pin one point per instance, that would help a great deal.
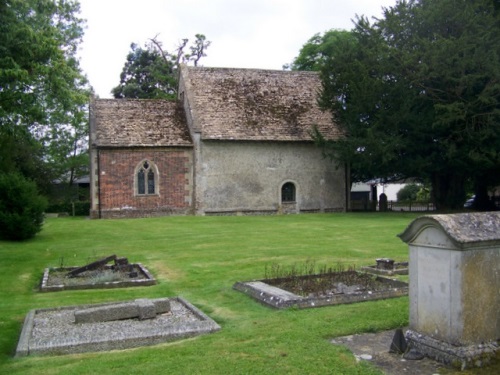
(307, 278)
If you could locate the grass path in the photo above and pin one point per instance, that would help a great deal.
(200, 258)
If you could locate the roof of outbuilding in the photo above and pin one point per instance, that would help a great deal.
(139, 122)
(259, 105)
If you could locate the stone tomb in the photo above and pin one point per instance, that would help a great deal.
(111, 326)
(455, 287)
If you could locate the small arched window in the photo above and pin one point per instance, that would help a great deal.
(146, 179)
(288, 192)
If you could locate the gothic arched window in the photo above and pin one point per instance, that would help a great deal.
(146, 179)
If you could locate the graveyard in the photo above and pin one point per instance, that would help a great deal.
(198, 260)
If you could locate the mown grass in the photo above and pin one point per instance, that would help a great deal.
(200, 258)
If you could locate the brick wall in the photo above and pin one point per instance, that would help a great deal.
(115, 183)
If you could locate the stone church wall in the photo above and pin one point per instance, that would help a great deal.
(113, 192)
(246, 177)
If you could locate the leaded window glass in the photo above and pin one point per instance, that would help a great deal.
(146, 182)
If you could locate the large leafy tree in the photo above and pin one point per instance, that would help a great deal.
(43, 93)
(151, 72)
(417, 94)
(319, 48)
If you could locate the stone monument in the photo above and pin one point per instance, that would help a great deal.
(454, 290)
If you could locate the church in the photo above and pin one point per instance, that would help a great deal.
(235, 142)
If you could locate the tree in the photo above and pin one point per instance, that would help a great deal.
(43, 92)
(146, 75)
(318, 49)
(151, 72)
(418, 95)
(21, 207)
(408, 192)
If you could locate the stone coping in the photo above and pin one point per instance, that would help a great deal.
(147, 280)
(282, 299)
(465, 230)
(53, 331)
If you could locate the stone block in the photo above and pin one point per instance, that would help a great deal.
(140, 308)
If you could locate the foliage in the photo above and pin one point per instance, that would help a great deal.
(146, 75)
(418, 95)
(316, 51)
(21, 207)
(200, 258)
(43, 93)
(21, 152)
(424, 194)
(78, 208)
(151, 72)
(408, 192)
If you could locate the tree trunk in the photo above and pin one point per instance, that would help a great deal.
(482, 200)
(448, 191)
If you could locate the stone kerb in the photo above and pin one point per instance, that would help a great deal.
(53, 331)
(454, 265)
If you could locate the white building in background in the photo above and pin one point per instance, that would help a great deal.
(366, 190)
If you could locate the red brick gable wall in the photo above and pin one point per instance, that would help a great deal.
(116, 194)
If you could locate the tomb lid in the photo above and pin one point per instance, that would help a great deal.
(464, 230)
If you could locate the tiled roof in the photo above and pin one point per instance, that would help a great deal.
(139, 122)
(249, 104)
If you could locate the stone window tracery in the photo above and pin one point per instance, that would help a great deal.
(146, 178)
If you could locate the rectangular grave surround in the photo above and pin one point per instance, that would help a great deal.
(54, 331)
(145, 279)
(282, 299)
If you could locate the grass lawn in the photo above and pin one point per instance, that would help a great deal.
(200, 258)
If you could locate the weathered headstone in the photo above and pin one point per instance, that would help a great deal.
(454, 286)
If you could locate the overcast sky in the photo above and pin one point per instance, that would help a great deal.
(264, 34)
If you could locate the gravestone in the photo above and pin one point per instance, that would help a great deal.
(454, 287)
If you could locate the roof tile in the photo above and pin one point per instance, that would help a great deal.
(250, 104)
(139, 122)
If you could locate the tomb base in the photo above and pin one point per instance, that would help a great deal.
(463, 357)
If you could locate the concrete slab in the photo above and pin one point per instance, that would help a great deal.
(374, 348)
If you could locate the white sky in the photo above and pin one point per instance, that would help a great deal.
(264, 34)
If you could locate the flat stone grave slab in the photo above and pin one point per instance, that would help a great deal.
(106, 277)
(266, 292)
(111, 326)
